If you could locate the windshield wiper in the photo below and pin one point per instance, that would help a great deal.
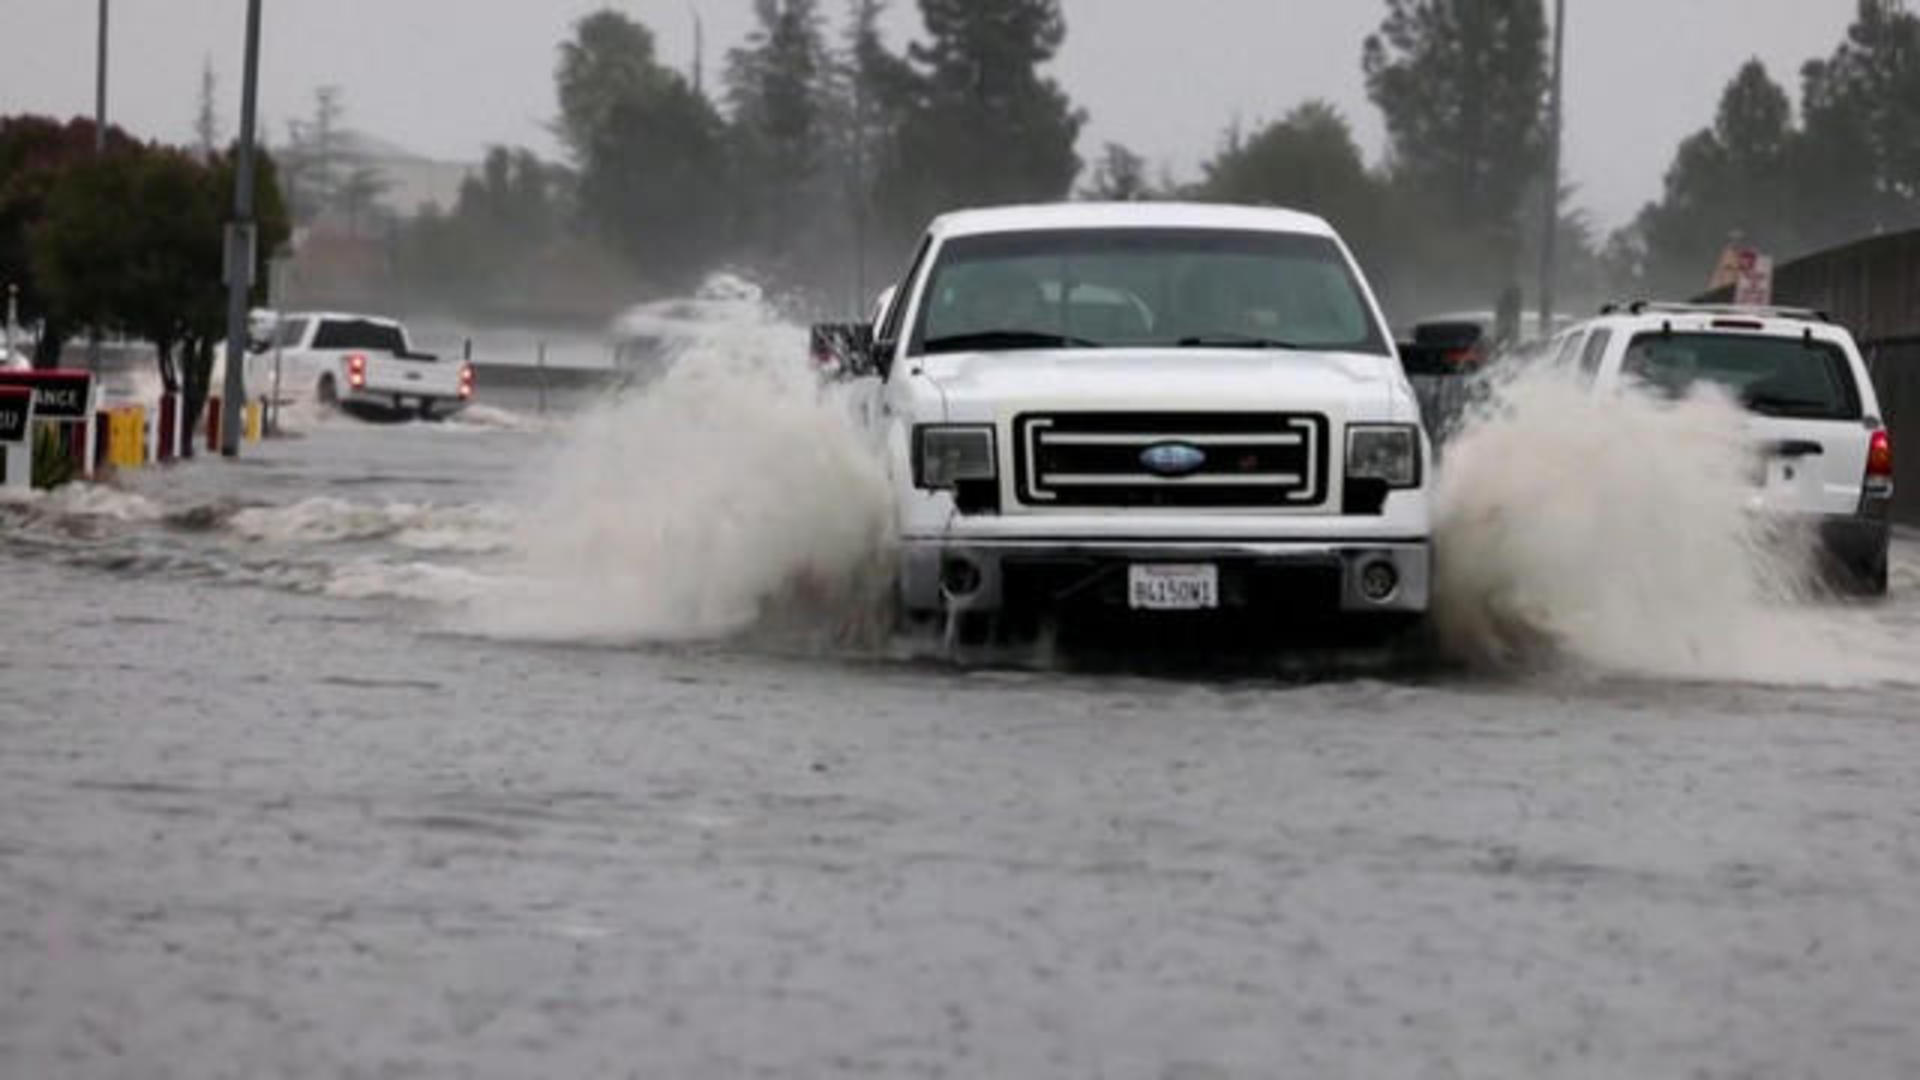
(995, 340)
(1236, 341)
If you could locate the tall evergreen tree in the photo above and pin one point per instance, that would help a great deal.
(1862, 107)
(610, 61)
(778, 86)
(206, 119)
(484, 250)
(878, 89)
(1463, 86)
(1119, 176)
(1732, 178)
(655, 174)
(986, 125)
(1307, 161)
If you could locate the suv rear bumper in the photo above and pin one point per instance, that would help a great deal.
(1859, 540)
(1313, 577)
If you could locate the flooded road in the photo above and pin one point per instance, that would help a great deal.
(273, 802)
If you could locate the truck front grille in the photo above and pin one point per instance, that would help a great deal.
(1173, 460)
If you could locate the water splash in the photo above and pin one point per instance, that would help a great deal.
(1617, 533)
(468, 529)
(735, 492)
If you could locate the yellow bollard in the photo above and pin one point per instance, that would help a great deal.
(252, 430)
(136, 435)
(117, 438)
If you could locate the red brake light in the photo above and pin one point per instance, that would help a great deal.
(357, 370)
(466, 380)
(1880, 455)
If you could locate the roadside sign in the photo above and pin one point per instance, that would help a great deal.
(16, 414)
(1754, 285)
(16, 437)
(1748, 272)
(57, 395)
(1726, 271)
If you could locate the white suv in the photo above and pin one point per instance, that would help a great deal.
(1156, 407)
(1827, 458)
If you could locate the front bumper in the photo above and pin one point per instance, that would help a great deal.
(1319, 577)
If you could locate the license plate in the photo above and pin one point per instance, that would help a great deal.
(1173, 588)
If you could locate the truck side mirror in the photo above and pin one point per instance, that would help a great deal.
(843, 350)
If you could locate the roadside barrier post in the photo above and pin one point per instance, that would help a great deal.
(167, 439)
(16, 438)
(101, 433)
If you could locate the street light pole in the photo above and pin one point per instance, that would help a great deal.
(100, 86)
(99, 148)
(240, 245)
(1550, 240)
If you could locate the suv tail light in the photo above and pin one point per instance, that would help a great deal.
(466, 380)
(357, 371)
(1880, 462)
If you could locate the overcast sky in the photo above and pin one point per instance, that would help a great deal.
(449, 77)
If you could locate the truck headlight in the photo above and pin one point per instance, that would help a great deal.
(1388, 453)
(948, 455)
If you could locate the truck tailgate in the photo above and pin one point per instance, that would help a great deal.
(412, 378)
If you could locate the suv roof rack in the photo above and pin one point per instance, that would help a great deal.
(1665, 307)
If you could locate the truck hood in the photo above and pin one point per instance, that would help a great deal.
(998, 384)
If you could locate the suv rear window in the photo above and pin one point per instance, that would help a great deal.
(360, 334)
(1774, 376)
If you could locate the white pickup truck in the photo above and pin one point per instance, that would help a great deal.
(1155, 407)
(358, 363)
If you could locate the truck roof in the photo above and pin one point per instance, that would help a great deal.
(1128, 215)
(344, 316)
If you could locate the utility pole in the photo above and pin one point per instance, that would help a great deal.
(1550, 240)
(860, 189)
(699, 52)
(99, 149)
(100, 87)
(240, 245)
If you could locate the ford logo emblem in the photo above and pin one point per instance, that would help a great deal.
(1173, 459)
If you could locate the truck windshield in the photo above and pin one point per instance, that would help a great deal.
(1774, 376)
(1129, 288)
(360, 334)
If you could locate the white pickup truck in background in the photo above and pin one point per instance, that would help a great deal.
(361, 364)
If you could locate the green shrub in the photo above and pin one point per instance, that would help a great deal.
(53, 463)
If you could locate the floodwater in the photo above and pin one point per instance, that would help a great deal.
(458, 750)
